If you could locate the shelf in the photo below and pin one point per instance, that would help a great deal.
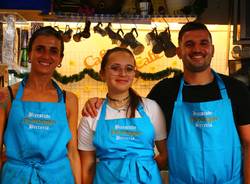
(4, 13)
(138, 19)
(25, 15)
(36, 15)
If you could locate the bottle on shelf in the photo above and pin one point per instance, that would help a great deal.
(145, 7)
(8, 47)
(24, 50)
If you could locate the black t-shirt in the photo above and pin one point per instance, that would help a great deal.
(165, 94)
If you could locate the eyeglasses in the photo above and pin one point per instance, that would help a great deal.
(116, 69)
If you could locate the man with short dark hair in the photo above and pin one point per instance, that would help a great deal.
(207, 116)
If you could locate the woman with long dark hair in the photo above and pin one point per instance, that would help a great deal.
(123, 135)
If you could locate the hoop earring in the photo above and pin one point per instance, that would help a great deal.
(59, 65)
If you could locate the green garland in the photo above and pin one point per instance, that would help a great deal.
(95, 75)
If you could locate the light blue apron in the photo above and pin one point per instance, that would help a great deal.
(36, 137)
(203, 143)
(125, 149)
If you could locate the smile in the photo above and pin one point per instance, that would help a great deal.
(44, 63)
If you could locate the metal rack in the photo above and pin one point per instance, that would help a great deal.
(138, 19)
(36, 15)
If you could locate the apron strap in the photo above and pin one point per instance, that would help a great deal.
(35, 167)
(61, 96)
(223, 90)
(220, 83)
(179, 96)
(103, 110)
(19, 93)
(122, 174)
(141, 111)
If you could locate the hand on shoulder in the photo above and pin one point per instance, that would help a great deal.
(91, 106)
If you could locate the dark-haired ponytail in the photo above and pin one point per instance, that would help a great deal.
(135, 99)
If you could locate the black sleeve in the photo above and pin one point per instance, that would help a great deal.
(239, 94)
(165, 93)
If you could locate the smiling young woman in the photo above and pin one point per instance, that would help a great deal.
(124, 133)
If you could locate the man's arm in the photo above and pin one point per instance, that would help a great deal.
(73, 154)
(244, 132)
(91, 106)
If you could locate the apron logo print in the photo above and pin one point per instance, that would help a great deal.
(125, 132)
(34, 115)
(38, 121)
(38, 127)
(203, 119)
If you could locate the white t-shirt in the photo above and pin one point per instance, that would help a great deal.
(88, 125)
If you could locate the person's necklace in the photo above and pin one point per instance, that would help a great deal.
(117, 100)
(118, 104)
